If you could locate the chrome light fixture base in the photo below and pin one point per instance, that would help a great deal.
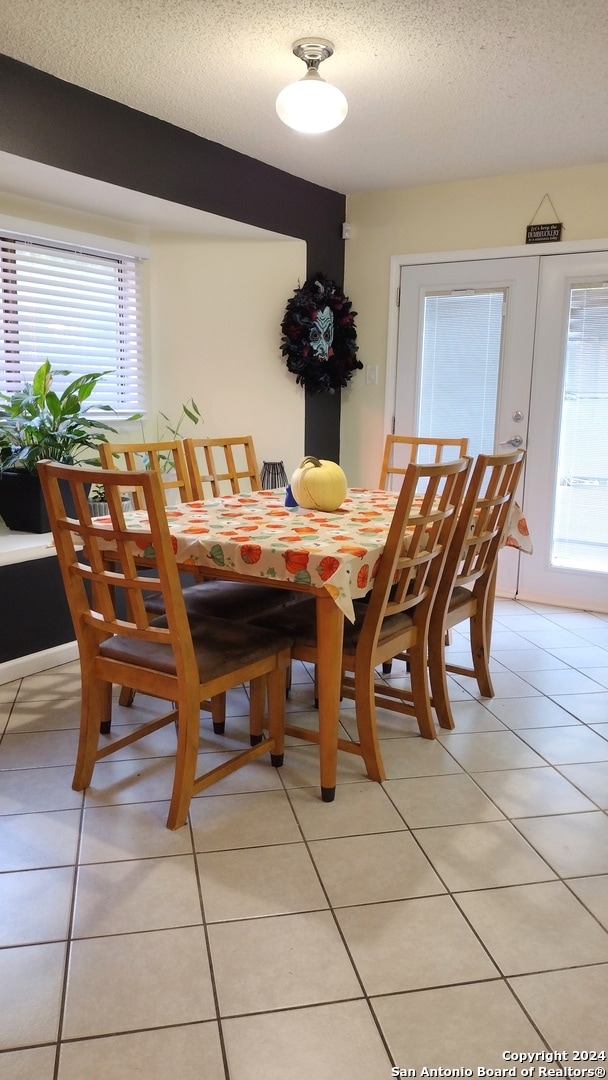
(313, 50)
(312, 105)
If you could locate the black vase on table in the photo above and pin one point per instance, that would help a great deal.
(273, 475)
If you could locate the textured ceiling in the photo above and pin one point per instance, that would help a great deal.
(437, 90)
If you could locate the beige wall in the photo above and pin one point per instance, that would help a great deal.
(216, 310)
(62, 217)
(470, 214)
(212, 317)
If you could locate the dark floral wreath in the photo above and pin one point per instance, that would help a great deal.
(319, 336)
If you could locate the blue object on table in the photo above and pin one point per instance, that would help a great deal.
(289, 499)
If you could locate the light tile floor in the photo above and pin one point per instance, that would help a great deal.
(454, 914)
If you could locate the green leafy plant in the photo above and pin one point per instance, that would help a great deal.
(97, 493)
(189, 411)
(168, 432)
(38, 423)
(171, 429)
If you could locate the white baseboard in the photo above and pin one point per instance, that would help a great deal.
(40, 661)
(505, 594)
(598, 605)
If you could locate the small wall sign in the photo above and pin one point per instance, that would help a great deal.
(543, 234)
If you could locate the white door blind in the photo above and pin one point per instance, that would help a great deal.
(580, 526)
(80, 310)
(461, 348)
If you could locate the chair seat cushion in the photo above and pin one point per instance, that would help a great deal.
(459, 597)
(300, 623)
(220, 646)
(228, 600)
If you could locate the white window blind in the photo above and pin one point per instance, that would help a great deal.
(581, 508)
(461, 349)
(78, 309)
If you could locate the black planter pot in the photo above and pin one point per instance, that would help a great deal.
(22, 503)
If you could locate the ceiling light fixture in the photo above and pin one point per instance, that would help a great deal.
(312, 105)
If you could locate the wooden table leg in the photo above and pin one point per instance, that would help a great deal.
(330, 633)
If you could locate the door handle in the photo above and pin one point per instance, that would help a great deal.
(515, 441)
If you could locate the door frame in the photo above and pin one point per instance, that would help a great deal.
(397, 262)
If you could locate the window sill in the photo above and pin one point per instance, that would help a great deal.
(17, 547)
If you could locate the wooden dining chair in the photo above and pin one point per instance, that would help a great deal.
(167, 658)
(400, 450)
(222, 466)
(396, 616)
(205, 598)
(467, 586)
(166, 459)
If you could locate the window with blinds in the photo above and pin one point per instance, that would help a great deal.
(460, 363)
(78, 309)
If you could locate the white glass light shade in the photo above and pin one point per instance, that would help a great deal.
(312, 105)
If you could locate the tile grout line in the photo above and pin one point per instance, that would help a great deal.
(68, 943)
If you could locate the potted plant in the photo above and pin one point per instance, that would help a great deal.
(38, 423)
(169, 432)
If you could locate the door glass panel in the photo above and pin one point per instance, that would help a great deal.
(460, 364)
(580, 524)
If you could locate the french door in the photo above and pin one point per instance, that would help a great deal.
(514, 352)
(566, 494)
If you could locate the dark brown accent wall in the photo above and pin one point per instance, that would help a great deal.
(35, 609)
(48, 120)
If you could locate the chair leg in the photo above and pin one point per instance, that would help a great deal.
(316, 687)
(365, 711)
(481, 633)
(480, 652)
(420, 692)
(257, 701)
(105, 724)
(188, 713)
(96, 703)
(218, 713)
(126, 696)
(438, 678)
(275, 686)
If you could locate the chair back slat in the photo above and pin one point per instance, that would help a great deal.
(482, 523)
(222, 466)
(483, 520)
(166, 459)
(467, 585)
(417, 542)
(403, 450)
(107, 597)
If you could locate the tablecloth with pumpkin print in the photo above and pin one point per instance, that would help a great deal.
(256, 536)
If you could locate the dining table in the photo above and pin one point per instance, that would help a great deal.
(333, 556)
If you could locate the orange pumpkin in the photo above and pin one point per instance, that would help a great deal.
(296, 560)
(327, 567)
(363, 577)
(251, 553)
(350, 549)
